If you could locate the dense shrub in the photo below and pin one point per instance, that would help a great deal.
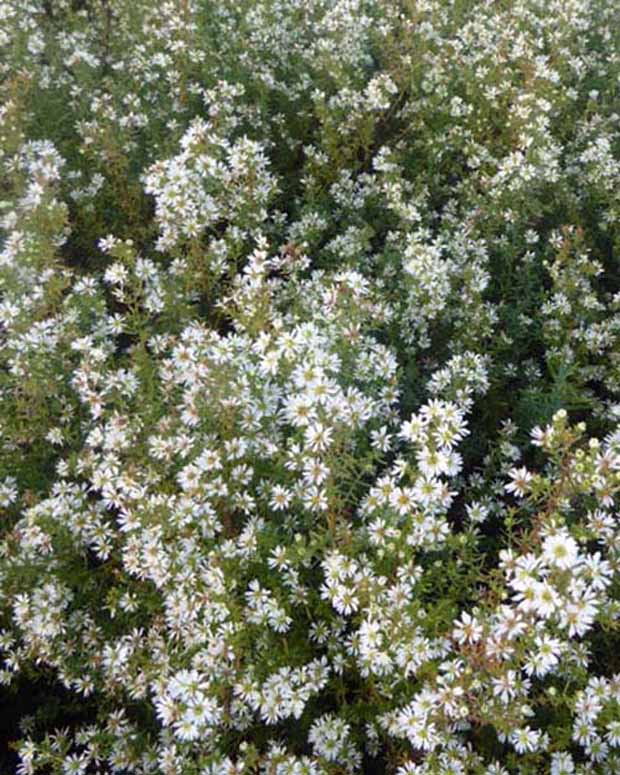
(310, 386)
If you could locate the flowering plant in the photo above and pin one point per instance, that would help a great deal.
(310, 387)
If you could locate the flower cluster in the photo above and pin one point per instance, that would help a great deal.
(310, 387)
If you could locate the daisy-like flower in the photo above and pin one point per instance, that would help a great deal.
(520, 483)
(613, 733)
(280, 498)
(583, 732)
(546, 600)
(525, 740)
(546, 658)
(561, 550)
(540, 437)
(432, 462)
(598, 572)
(579, 615)
(403, 500)
(505, 687)
(562, 764)
(345, 600)
(318, 437)
(477, 511)
(315, 499)
(413, 429)
(468, 630)
(380, 439)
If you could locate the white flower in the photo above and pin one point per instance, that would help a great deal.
(477, 512)
(561, 550)
(546, 599)
(525, 740)
(613, 733)
(578, 615)
(467, 630)
(413, 430)
(546, 658)
(318, 437)
(583, 732)
(345, 600)
(520, 484)
(116, 274)
(403, 500)
(280, 498)
(562, 764)
(505, 687)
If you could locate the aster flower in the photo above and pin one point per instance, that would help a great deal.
(520, 484)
